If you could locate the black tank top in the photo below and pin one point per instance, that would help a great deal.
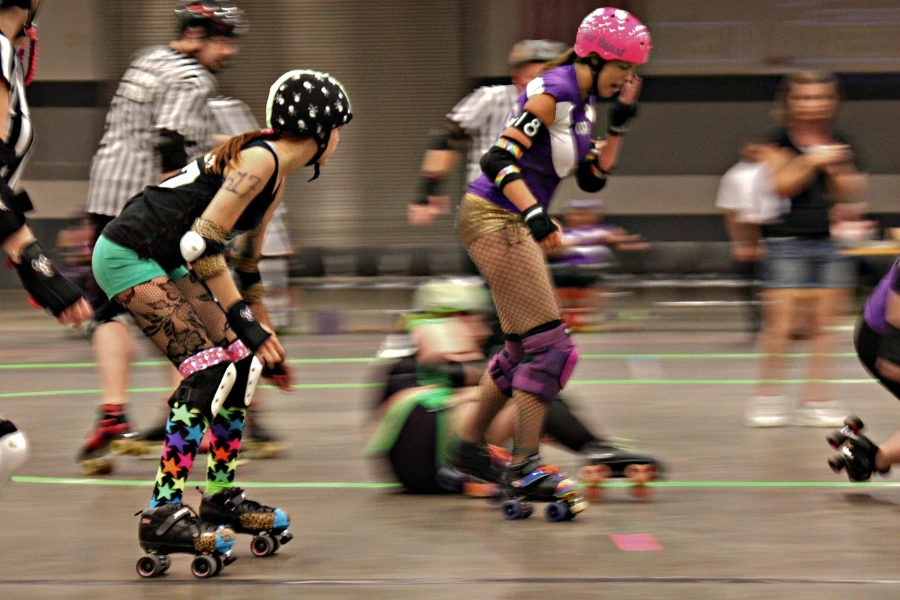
(808, 217)
(153, 222)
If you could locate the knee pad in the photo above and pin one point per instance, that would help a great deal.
(553, 358)
(503, 364)
(206, 389)
(248, 372)
(13, 450)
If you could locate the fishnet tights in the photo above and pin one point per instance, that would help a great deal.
(529, 422)
(176, 318)
(515, 270)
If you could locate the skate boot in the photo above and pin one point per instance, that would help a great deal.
(471, 470)
(111, 436)
(531, 481)
(267, 525)
(856, 452)
(176, 529)
(604, 461)
(260, 442)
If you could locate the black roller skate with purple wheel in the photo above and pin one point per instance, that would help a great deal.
(531, 481)
(176, 529)
(267, 525)
(855, 452)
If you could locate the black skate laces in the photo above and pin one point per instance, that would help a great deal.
(235, 499)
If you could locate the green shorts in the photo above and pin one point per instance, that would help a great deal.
(117, 268)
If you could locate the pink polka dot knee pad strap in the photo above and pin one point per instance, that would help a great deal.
(203, 360)
(237, 351)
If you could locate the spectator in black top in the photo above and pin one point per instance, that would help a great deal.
(816, 168)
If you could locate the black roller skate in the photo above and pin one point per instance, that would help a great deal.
(176, 529)
(472, 469)
(267, 525)
(458, 482)
(111, 436)
(530, 481)
(605, 461)
(856, 452)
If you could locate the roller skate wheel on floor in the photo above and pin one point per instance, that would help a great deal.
(128, 448)
(640, 476)
(96, 466)
(516, 509)
(151, 565)
(263, 545)
(593, 477)
(204, 566)
(558, 511)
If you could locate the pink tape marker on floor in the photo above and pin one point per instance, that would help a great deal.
(635, 542)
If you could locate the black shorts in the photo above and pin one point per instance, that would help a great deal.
(413, 456)
(867, 340)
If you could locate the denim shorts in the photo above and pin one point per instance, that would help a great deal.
(798, 263)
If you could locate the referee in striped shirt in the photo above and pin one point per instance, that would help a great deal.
(159, 117)
(473, 126)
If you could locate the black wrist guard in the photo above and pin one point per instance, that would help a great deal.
(539, 222)
(619, 115)
(889, 345)
(43, 283)
(456, 372)
(245, 325)
(431, 186)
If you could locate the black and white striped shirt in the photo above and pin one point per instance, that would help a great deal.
(162, 89)
(18, 131)
(482, 116)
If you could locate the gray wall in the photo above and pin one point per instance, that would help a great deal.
(406, 62)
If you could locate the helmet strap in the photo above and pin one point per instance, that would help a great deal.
(322, 141)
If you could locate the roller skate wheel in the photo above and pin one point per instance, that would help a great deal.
(516, 509)
(96, 466)
(262, 545)
(166, 563)
(150, 566)
(219, 565)
(557, 511)
(837, 464)
(640, 476)
(836, 439)
(854, 423)
(203, 566)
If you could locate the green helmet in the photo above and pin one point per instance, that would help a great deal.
(452, 296)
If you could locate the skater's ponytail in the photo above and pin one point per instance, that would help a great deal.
(229, 153)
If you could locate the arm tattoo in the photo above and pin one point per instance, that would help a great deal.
(242, 184)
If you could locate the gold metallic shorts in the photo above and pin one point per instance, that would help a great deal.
(478, 217)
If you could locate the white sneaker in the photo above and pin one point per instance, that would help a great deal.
(828, 413)
(767, 411)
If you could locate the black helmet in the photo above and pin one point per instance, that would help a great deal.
(529, 51)
(310, 103)
(217, 18)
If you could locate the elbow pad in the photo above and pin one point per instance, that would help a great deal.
(171, 149)
(499, 163)
(204, 248)
(590, 177)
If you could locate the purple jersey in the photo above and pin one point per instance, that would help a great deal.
(586, 245)
(876, 305)
(557, 150)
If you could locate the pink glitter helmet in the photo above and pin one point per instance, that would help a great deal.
(613, 34)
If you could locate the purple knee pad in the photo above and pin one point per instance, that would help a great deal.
(503, 365)
(553, 358)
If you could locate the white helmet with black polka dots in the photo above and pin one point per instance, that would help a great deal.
(309, 103)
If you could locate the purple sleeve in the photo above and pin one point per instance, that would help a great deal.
(556, 83)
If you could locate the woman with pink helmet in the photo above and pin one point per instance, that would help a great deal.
(503, 223)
